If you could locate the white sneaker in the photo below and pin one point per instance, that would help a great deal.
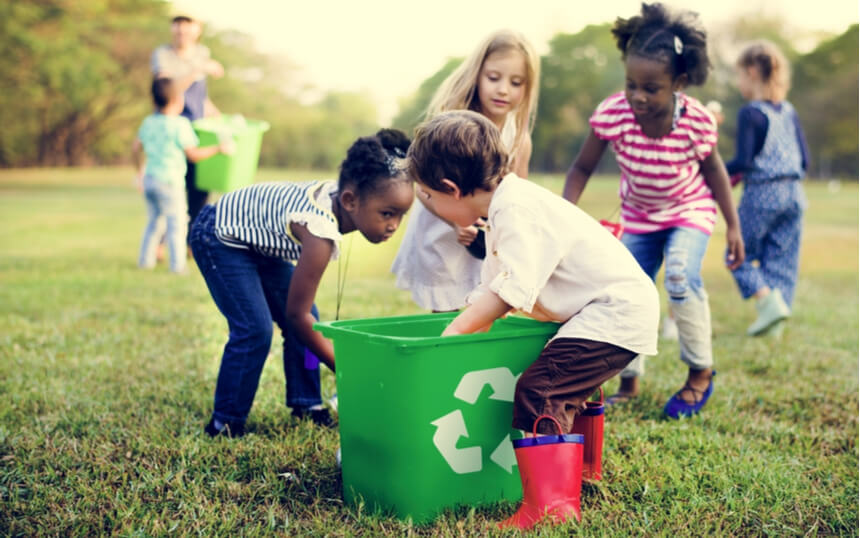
(332, 402)
(337, 457)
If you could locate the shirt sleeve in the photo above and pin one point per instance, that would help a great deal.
(159, 63)
(701, 128)
(611, 117)
(527, 253)
(751, 129)
(187, 136)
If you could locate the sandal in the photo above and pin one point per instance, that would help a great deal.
(618, 398)
(676, 407)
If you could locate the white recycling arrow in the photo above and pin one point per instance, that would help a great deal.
(504, 455)
(501, 379)
(449, 429)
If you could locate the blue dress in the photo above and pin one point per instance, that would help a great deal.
(772, 158)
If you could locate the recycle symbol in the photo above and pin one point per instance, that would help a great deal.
(450, 427)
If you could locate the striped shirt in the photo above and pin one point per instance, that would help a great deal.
(662, 185)
(258, 217)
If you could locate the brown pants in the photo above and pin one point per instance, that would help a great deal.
(565, 374)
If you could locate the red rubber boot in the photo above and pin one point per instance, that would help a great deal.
(551, 473)
(590, 424)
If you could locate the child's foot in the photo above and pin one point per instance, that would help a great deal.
(320, 417)
(227, 429)
(618, 398)
(627, 390)
(693, 395)
(771, 310)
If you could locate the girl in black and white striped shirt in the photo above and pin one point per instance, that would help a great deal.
(263, 250)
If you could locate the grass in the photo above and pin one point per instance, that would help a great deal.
(107, 374)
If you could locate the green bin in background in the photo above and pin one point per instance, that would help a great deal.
(224, 173)
(425, 421)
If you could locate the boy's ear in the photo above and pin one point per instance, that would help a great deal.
(454, 189)
(348, 199)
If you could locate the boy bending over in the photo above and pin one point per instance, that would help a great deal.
(545, 258)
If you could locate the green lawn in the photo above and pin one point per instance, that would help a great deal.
(107, 374)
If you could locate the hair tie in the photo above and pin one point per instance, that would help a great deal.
(679, 45)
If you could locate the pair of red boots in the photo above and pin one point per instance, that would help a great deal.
(551, 468)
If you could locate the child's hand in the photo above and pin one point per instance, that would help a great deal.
(734, 248)
(465, 236)
(227, 146)
(138, 182)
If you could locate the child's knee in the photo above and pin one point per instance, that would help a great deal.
(681, 280)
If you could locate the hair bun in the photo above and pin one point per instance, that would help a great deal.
(393, 140)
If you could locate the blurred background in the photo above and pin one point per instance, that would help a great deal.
(74, 77)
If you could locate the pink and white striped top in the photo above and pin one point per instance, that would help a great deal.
(662, 185)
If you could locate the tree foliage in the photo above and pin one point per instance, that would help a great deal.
(74, 83)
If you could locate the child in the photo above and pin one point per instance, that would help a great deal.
(671, 177)
(499, 80)
(167, 140)
(188, 62)
(771, 157)
(245, 246)
(546, 258)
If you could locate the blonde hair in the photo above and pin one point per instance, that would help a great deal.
(460, 90)
(772, 67)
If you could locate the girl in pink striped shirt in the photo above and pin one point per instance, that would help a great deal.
(672, 180)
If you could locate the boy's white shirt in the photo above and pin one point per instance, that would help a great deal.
(553, 262)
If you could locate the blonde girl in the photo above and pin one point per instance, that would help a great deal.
(771, 158)
(499, 79)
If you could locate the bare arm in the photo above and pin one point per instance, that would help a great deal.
(478, 316)
(197, 154)
(582, 168)
(717, 179)
(316, 253)
(139, 161)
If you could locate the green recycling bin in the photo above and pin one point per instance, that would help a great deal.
(224, 173)
(425, 421)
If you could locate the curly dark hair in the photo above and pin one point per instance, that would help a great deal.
(653, 33)
(372, 161)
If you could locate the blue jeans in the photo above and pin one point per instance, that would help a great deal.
(251, 291)
(683, 250)
(168, 201)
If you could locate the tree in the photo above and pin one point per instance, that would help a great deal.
(71, 78)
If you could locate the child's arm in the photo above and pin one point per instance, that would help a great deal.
(479, 315)
(717, 179)
(316, 253)
(139, 162)
(582, 168)
(197, 153)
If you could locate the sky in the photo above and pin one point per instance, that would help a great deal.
(386, 48)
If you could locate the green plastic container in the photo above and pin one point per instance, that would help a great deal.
(425, 421)
(224, 173)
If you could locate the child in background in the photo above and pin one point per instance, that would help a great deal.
(771, 157)
(547, 259)
(189, 63)
(671, 177)
(499, 80)
(167, 140)
(246, 246)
